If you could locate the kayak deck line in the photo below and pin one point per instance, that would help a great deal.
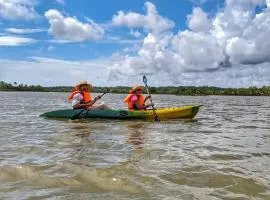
(183, 112)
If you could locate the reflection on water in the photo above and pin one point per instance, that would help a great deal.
(135, 134)
(223, 154)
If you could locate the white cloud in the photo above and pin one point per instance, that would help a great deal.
(172, 54)
(48, 71)
(247, 4)
(197, 1)
(244, 33)
(198, 21)
(197, 50)
(119, 40)
(237, 37)
(23, 31)
(17, 9)
(152, 21)
(135, 33)
(15, 41)
(230, 49)
(122, 41)
(25, 2)
(60, 41)
(51, 48)
(61, 2)
(51, 72)
(268, 3)
(70, 28)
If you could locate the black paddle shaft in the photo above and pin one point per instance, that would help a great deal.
(86, 110)
(153, 108)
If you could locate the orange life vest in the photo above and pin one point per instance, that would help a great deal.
(86, 96)
(129, 102)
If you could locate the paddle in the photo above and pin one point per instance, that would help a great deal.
(79, 113)
(153, 108)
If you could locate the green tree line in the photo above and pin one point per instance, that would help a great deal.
(19, 87)
(177, 90)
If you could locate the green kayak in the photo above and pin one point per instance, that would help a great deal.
(183, 112)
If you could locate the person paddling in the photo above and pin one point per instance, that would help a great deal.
(135, 99)
(81, 97)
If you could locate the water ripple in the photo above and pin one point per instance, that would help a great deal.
(222, 154)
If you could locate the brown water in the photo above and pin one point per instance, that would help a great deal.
(223, 154)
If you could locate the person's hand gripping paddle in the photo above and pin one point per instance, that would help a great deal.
(77, 115)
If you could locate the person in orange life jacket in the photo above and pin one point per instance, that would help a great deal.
(81, 97)
(135, 100)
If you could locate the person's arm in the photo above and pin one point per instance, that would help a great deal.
(79, 105)
(148, 105)
(138, 105)
(94, 100)
(148, 97)
(141, 106)
(77, 99)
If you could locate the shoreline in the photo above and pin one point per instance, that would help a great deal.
(173, 90)
(161, 93)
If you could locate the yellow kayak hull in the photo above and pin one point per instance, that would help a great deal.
(183, 112)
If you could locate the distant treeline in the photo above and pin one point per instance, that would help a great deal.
(179, 90)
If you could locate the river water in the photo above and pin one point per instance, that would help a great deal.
(223, 154)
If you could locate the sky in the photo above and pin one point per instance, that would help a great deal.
(222, 43)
